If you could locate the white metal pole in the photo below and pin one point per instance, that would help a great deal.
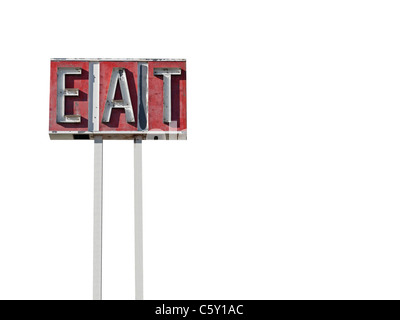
(138, 219)
(98, 218)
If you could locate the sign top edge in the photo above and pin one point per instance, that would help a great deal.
(110, 59)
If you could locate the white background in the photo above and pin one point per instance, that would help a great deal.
(288, 186)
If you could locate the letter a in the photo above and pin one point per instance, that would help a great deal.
(118, 74)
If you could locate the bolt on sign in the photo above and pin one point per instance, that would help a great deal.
(118, 99)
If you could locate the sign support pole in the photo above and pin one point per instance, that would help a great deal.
(98, 218)
(138, 219)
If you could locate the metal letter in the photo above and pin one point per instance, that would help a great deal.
(118, 74)
(167, 73)
(143, 96)
(94, 96)
(62, 92)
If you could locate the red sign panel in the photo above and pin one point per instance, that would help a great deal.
(117, 99)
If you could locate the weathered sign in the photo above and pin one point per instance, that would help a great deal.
(118, 99)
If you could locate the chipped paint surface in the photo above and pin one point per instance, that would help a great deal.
(118, 99)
